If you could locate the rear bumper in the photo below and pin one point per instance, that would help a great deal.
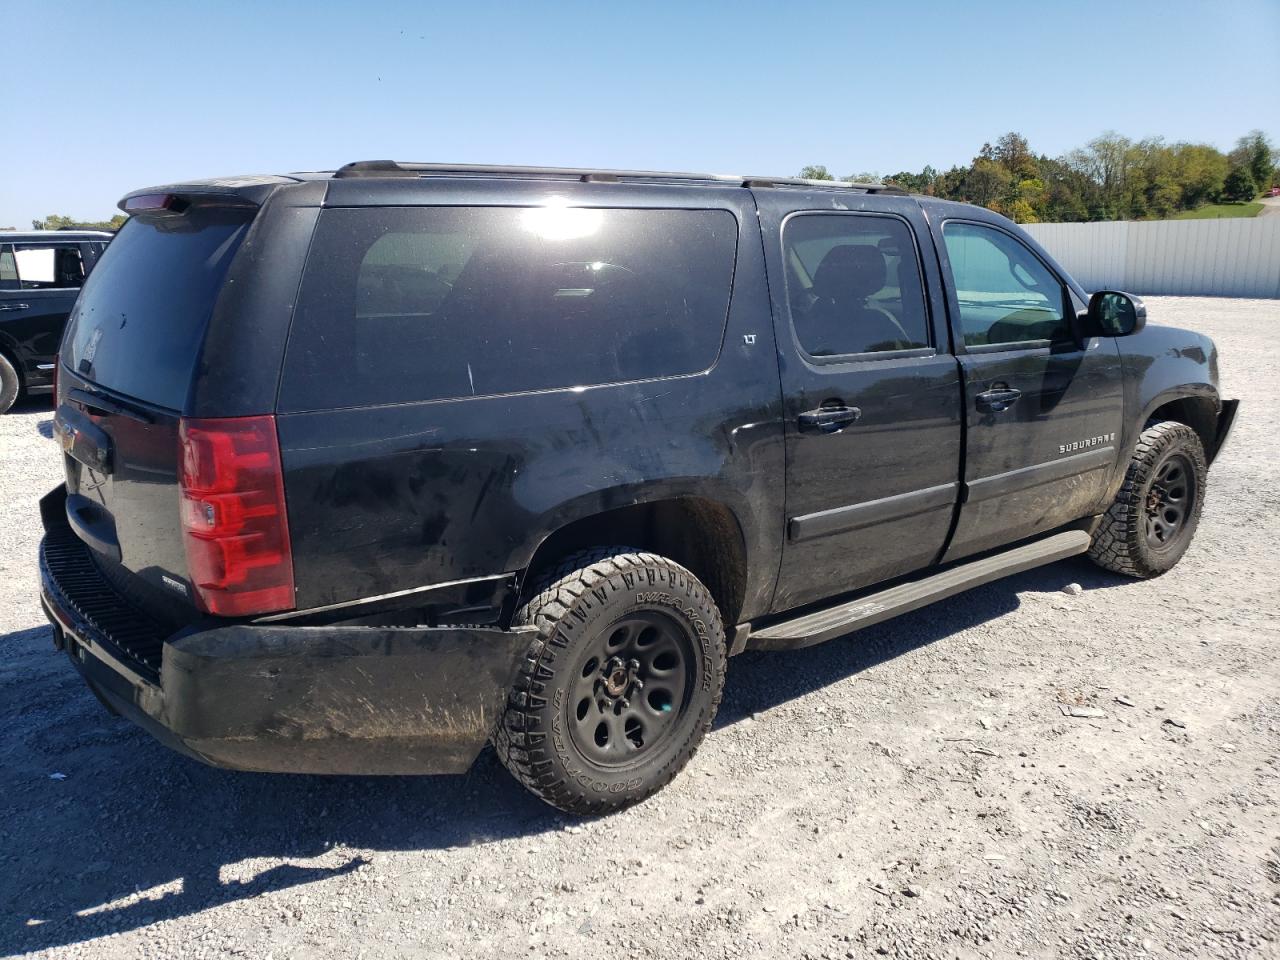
(354, 700)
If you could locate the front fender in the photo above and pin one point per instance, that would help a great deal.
(1168, 365)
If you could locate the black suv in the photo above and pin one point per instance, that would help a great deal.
(41, 272)
(366, 468)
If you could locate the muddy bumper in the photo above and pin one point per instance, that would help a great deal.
(355, 700)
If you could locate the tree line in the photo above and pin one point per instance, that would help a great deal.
(1110, 178)
(56, 221)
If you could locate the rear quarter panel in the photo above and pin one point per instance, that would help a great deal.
(391, 498)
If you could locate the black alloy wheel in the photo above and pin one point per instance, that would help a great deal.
(1154, 516)
(621, 681)
(1170, 501)
(632, 689)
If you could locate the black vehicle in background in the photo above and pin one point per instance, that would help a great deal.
(366, 468)
(41, 272)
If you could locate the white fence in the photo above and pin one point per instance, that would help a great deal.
(1221, 258)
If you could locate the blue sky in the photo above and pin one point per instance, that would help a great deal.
(109, 96)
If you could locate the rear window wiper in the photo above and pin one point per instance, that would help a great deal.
(106, 405)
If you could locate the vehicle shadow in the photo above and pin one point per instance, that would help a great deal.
(131, 816)
(41, 403)
(758, 680)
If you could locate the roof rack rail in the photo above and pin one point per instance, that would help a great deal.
(393, 168)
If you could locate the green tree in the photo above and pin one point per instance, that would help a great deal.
(1200, 171)
(1239, 185)
(951, 185)
(1013, 153)
(1151, 161)
(1255, 151)
(928, 180)
(1111, 177)
(1029, 197)
(815, 172)
(987, 182)
(1108, 160)
(1163, 196)
(56, 221)
(913, 182)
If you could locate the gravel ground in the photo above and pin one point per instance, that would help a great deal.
(915, 790)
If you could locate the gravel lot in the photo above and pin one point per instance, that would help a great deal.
(914, 791)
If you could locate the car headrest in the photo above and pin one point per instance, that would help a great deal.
(850, 271)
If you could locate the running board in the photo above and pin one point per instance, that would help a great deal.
(836, 621)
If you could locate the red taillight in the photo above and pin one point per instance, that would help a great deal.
(234, 523)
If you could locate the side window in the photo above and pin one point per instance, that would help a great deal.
(8, 270)
(1006, 294)
(46, 266)
(93, 251)
(407, 304)
(853, 284)
(409, 273)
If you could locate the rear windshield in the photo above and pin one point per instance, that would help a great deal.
(141, 317)
(427, 303)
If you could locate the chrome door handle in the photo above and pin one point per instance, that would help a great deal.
(998, 398)
(15, 306)
(829, 419)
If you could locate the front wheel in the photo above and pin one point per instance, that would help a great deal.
(620, 685)
(1150, 525)
(9, 384)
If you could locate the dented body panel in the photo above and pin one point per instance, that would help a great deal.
(290, 699)
(384, 497)
(415, 522)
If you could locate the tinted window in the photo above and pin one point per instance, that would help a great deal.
(1006, 294)
(8, 270)
(853, 284)
(428, 303)
(47, 266)
(140, 319)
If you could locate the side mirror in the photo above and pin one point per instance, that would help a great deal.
(1115, 314)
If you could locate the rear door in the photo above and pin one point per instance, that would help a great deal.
(871, 396)
(1043, 409)
(41, 281)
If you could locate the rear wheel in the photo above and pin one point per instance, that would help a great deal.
(9, 384)
(621, 684)
(1150, 525)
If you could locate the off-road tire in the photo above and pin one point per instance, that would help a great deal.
(10, 384)
(1121, 543)
(573, 607)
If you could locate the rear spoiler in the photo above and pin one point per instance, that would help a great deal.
(176, 198)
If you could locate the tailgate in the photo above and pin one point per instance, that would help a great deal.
(132, 347)
(121, 463)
